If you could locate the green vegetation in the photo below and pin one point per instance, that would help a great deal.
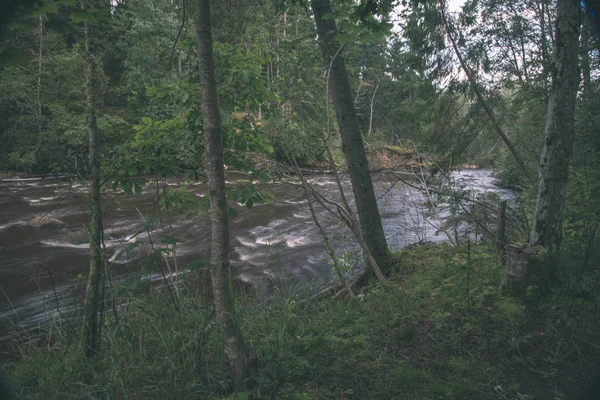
(443, 329)
(174, 89)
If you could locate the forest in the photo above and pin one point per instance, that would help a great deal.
(300, 199)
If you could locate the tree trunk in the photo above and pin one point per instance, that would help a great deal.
(558, 144)
(544, 43)
(39, 83)
(91, 327)
(219, 263)
(352, 144)
(372, 107)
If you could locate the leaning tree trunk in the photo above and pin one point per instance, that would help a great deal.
(558, 143)
(352, 144)
(486, 107)
(219, 264)
(91, 327)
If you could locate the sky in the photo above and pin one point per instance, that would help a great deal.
(455, 5)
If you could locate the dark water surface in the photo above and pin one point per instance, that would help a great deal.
(273, 241)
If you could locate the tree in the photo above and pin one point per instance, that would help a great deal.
(91, 325)
(558, 143)
(474, 85)
(352, 143)
(219, 263)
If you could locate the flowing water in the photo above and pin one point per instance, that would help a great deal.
(277, 241)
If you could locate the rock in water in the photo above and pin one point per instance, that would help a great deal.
(45, 221)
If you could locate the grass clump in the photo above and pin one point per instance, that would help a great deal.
(442, 329)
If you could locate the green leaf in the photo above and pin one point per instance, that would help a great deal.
(78, 15)
(199, 264)
(46, 8)
(12, 56)
(168, 239)
(21, 25)
(242, 396)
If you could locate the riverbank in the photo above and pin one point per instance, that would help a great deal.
(441, 330)
(381, 158)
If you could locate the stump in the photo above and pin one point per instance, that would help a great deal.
(519, 263)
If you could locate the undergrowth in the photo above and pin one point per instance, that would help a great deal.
(443, 329)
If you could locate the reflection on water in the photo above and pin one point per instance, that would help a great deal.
(277, 240)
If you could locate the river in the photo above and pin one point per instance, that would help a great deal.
(272, 242)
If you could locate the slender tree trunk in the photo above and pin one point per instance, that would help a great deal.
(544, 43)
(219, 264)
(39, 83)
(372, 107)
(91, 327)
(523, 54)
(352, 144)
(558, 145)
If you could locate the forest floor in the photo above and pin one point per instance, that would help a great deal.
(442, 329)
